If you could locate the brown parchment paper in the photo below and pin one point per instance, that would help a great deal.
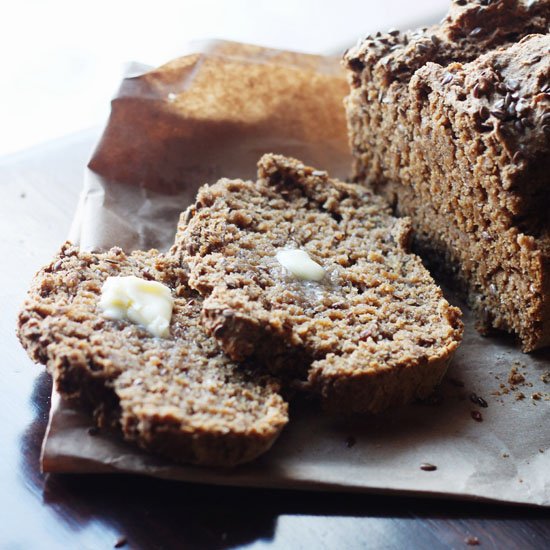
(213, 114)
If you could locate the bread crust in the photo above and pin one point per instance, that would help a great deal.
(452, 125)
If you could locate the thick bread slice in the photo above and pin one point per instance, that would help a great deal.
(179, 396)
(375, 332)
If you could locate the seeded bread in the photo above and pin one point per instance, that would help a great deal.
(452, 125)
(375, 332)
(180, 396)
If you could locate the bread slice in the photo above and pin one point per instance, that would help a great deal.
(178, 396)
(374, 332)
(452, 125)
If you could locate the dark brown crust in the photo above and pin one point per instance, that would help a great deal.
(452, 125)
(180, 396)
(375, 332)
(382, 389)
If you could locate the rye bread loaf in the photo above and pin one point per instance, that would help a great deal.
(178, 396)
(452, 125)
(374, 332)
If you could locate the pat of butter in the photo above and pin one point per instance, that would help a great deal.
(300, 264)
(146, 303)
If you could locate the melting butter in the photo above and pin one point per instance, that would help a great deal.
(146, 303)
(299, 264)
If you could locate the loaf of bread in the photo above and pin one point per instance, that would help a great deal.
(177, 396)
(312, 278)
(452, 125)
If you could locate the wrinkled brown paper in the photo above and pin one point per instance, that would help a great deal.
(213, 114)
(199, 118)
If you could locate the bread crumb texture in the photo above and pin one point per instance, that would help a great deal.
(375, 331)
(178, 396)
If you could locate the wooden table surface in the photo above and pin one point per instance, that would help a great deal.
(39, 190)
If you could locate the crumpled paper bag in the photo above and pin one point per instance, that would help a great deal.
(199, 118)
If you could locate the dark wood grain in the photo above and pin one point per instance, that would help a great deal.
(39, 190)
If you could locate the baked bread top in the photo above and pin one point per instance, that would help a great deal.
(374, 331)
(470, 29)
(178, 396)
(489, 59)
(505, 95)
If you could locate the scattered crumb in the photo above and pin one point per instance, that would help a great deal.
(476, 415)
(515, 377)
(505, 455)
(477, 400)
(541, 450)
(427, 467)
(350, 441)
(472, 541)
(121, 542)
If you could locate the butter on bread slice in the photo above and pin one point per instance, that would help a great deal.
(373, 332)
(178, 396)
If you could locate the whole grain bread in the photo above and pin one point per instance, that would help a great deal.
(374, 332)
(452, 125)
(178, 396)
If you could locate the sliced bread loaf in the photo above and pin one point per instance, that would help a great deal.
(452, 125)
(312, 278)
(178, 396)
